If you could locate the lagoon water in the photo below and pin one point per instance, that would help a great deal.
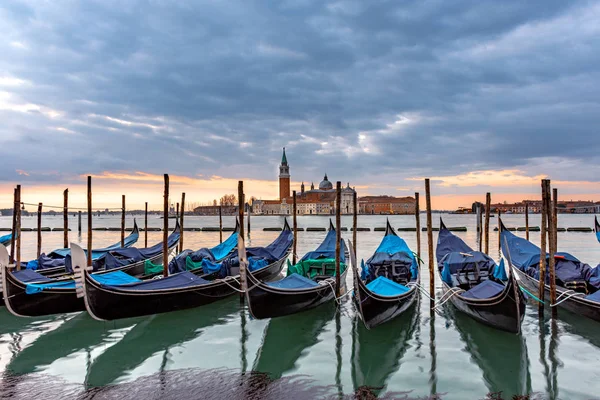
(220, 352)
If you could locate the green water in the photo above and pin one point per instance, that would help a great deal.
(323, 353)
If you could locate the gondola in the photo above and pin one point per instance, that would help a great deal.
(198, 260)
(386, 286)
(597, 228)
(180, 291)
(478, 287)
(57, 262)
(577, 284)
(27, 293)
(5, 240)
(308, 284)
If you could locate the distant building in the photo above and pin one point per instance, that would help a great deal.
(386, 205)
(214, 210)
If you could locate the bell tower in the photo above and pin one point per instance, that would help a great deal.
(284, 178)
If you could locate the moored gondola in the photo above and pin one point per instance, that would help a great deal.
(308, 284)
(386, 286)
(597, 228)
(27, 293)
(577, 284)
(179, 291)
(5, 240)
(478, 287)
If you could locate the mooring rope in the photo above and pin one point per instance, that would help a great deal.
(569, 294)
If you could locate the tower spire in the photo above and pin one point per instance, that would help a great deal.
(284, 158)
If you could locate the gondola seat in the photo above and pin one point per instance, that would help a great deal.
(293, 281)
(386, 287)
(484, 290)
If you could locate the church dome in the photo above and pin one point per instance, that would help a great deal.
(325, 184)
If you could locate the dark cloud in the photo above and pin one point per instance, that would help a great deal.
(369, 91)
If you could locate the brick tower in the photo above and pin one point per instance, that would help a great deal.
(284, 178)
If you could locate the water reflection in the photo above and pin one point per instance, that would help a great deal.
(153, 335)
(550, 362)
(287, 338)
(377, 353)
(501, 356)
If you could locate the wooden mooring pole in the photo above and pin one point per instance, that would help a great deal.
(13, 237)
(18, 228)
(79, 222)
(181, 221)
(527, 220)
(354, 220)
(295, 227)
(89, 221)
(338, 237)
(166, 227)
(123, 221)
(488, 205)
(499, 232)
(221, 223)
(66, 219)
(542, 268)
(177, 219)
(241, 257)
(39, 230)
(418, 224)
(430, 243)
(552, 227)
(249, 214)
(146, 225)
(479, 227)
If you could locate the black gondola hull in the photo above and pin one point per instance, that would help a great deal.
(265, 301)
(111, 303)
(504, 311)
(375, 310)
(576, 304)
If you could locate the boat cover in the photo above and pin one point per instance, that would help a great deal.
(111, 278)
(386, 287)
(189, 258)
(594, 296)
(526, 256)
(293, 281)
(5, 240)
(28, 276)
(327, 248)
(181, 280)
(485, 290)
(391, 250)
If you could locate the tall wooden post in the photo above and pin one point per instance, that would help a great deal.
(89, 221)
(166, 227)
(295, 224)
(241, 238)
(354, 220)
(418, 223)
(338, 237)
(552, 240)
(18, 230)
(555, 209)
(39, 230)
(527, 220)
(488, 205)
(79, 222)
(123, 221)
(479, 227)
(221, 223)
(66, 219)
(430, 243)
(542, 269)
(181, 221)
(249, 214)
(499, 231)
(146, 225)
(13, 237)
(177, 219)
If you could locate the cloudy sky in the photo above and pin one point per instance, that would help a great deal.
(478, 95)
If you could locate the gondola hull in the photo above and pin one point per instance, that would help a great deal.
(112, 303)
(51, 301)
(374, 309)
(504, 311)
(576, 304)
(265, 301)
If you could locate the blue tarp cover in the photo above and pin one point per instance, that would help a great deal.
(392, 249)
(327, 249)
(114, 278)
(386, 287)
(293, 281)
(526, 256)
(181, 280)
(484, 290)
(5, 240)
(27, 276)
(214, 255)
(594, 296)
